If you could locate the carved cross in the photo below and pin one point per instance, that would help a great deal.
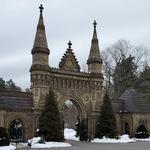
(41, 8)
(95, 23)
(69, 44)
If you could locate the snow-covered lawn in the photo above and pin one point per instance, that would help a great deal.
(70, 134)
(35, 144)
(122, 139)
(11, 147)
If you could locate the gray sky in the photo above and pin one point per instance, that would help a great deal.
(66, 20)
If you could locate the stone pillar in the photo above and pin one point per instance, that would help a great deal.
(2, 118)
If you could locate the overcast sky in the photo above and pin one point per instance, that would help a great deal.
(66, 20)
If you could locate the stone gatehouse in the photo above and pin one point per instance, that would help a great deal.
(83, 89)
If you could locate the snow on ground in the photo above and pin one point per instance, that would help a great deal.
(123, 139)
(35, 144)
(70, 134)
(51, 144)
(142, 140)
(11, 147)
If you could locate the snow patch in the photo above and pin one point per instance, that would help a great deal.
(142, 140)
(10, 147)
(122, 139)
(34, 140)
(70, 134)
(51, 144)
(35, 144)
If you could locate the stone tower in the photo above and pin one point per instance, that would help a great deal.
(94, 61)
(40, 60)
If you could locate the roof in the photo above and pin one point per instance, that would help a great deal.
(16, 100)
(69, 61)
(132, 101)
(116, 106)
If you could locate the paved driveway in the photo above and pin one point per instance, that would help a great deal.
(94, 146)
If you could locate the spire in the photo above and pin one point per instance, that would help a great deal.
(94, 56)
(95, 32)
(40, 42)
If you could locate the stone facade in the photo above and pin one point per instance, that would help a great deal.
(132, 110)
(83, 89)
(17, 106)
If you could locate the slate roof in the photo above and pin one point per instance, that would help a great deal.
(132, 101)
(16, 101)
(116, 106)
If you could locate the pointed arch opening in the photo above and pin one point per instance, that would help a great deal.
(126, 128)
(141, 132)
(16, 130)
(73, 115)
(70, 115)
(77, 103)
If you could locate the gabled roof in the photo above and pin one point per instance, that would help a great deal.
(69, 61)
(132, 101)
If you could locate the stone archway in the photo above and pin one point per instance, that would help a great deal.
(16, 130)
(77, 102)
(83, 122)
(141, 132)
(70, 115)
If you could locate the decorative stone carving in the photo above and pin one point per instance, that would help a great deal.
(69, 61)
(86, 98)
(57, 95)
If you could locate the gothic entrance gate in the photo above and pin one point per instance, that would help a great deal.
(84, 89)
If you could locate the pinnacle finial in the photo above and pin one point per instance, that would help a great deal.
(41, 8)
(95, 23)
(69, 45)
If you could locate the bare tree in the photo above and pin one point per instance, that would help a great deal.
(117, 52)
